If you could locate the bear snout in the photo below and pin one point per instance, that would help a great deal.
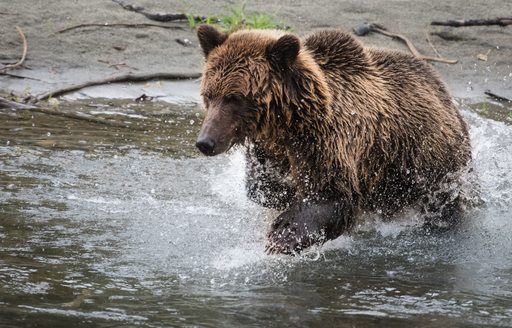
(206, 146)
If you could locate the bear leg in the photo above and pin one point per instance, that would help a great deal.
(266, 179)
(304, 225)
(445, 213)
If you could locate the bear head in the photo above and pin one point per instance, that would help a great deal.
(243, 84)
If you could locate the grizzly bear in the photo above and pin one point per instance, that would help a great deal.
(332, 130)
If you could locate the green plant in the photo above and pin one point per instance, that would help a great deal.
(484, 107)
(262, 21)
(193, 21)
(25, 93)
(236, 20)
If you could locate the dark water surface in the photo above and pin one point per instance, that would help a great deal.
(113, 227)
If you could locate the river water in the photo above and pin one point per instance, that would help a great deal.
(131, 227)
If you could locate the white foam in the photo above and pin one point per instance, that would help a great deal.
(229, 184)
(237, 257)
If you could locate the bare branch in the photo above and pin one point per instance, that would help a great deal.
(118, 79)
(431, 44)
(497, 97)
(141, 25)
(159, 17)
(16, 76)
(23, 55)
(501, 21)
(412, 48)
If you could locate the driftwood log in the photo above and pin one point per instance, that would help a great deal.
(116, 79)
(127, 25)
(497, 97)
(500, 21)
(159, 17)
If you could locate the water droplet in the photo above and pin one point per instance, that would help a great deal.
(191, 122)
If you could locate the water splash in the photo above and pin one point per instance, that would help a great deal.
(174, 233)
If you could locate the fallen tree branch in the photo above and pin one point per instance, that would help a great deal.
(159, 17)
(23, 55)
(497, 97)
(365, 28)
(412, 48)
(117, 79)
(67, 29)
(501, 21)
(6, 103)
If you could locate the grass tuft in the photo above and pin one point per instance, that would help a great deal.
(238, 19)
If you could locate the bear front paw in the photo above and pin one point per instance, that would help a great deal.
(289, 237)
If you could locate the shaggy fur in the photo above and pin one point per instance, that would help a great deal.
(332, 128)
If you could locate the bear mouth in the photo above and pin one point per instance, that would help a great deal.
(235, 142)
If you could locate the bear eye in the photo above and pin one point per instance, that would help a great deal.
(233, 97)
(207, 97)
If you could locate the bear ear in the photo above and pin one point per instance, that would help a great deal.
(210, 38)
(284, 52)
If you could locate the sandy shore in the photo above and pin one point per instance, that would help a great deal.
(56, 59)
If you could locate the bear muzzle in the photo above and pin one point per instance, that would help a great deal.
(218, 132)
(210, 142)
(206, 146)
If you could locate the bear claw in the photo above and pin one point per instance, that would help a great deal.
(286, 238)
(283, 243)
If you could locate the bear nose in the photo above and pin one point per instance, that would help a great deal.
(206, 146)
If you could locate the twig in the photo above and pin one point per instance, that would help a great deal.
(412, 48)
(5, 103)
(431, 44)
(159, 17)
(117, 65)
(118, 79)
(118, 25)
(497, 97)
(23, 56)
(501, 21)
(22, 77)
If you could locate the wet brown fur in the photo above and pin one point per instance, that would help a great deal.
(374, 127)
